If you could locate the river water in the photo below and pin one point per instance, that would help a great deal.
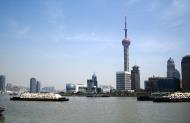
(94, 110)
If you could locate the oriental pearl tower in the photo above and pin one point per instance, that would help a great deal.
(126, 42)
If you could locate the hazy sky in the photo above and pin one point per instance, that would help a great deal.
(62, 41)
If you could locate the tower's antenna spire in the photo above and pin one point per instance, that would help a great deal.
(125, 28)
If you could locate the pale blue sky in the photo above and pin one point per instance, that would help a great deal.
(61, 41)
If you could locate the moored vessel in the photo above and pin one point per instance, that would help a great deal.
(1, 110)
(166, 99)
(174, 97)
(145, 98)
(97, 95)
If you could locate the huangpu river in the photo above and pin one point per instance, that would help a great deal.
(94, 110)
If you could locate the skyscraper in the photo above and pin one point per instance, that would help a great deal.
(2, 83)
(94, 80)
(38, 87)
(123, 78)
(185, 70)
(172, 72)
(135, 78)
(33, 85)
(170, 68)
(92, 84)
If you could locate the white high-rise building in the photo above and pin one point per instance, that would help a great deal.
(123, 79)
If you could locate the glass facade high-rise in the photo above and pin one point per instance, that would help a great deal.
(172, 72)
(92, 84)
(170, 68)
(185, 70)
(94, 80)
(35, 86)
(135, 78)
(2, 83)
(38, 87)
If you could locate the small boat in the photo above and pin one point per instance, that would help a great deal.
(97, 95)
(1, 110)
(145, 98)
(105, 95)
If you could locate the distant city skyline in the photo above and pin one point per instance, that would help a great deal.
(60, 41)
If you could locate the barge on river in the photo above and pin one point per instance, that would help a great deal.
(39, 97)
(174, 97)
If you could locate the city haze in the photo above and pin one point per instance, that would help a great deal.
(59, 42)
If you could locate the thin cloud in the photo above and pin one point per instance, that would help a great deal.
(176, 9)
(131, 2)
(175, 12)
(54, 11)
(82, 37)
(85, 37)
(16, 29)
(160, 45)
(24, 30)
